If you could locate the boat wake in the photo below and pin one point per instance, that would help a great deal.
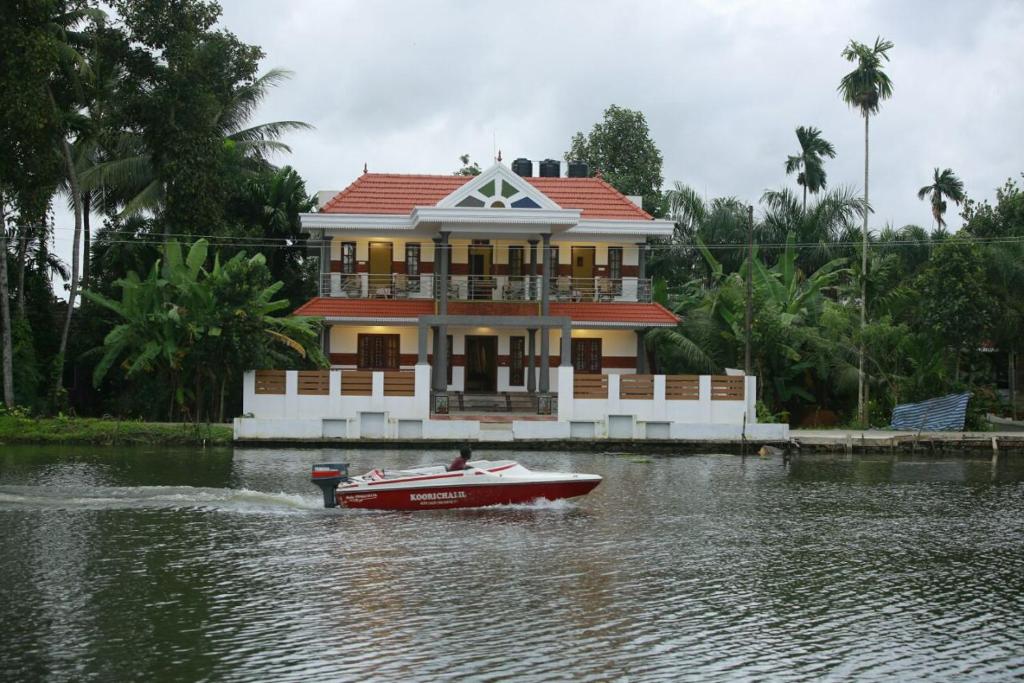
(560, 505)
(158, 497)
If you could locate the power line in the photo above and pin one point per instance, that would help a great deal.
(298, 243)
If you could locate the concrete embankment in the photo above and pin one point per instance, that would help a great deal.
(801, 440)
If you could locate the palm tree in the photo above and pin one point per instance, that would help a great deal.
(71, 71)
(5, 312)
(133, 172)
(809, 164)
(945, 185)
(864, 88)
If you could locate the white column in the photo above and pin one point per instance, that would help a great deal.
(565, 392)
(705, 397)
(377, 393)
(291, 393)
(248, 392)
(422, 390)
(660, 404)
(751, 397)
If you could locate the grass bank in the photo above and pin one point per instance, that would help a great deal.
(107, 432)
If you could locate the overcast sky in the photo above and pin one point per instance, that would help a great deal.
(407, 87)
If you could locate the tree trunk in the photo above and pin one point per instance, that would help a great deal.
(805, 197)
(863, 285)
(22, 258)
(1013, 384)
(220, 407)
(73, 292)
(5, 315)
(86, 238)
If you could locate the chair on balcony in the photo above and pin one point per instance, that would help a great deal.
(563, 288)
(514, 290)
(605, 289)
(401, 286)
(349, 286)
(454, 291)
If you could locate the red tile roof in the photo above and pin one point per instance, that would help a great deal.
(625, 313)
(366, 308)
(591, 312)
(393, 193)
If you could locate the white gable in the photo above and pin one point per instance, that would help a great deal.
(497, 188)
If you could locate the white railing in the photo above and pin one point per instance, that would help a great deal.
(512, 288)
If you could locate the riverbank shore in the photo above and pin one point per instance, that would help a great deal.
(800, 440)
(108, 432)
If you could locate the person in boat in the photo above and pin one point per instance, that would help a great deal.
(459, 463)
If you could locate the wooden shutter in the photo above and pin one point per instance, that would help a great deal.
(517, 351)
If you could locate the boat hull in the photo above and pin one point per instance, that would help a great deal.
(467, 496)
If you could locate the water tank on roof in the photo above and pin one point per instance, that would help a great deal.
(578, 169)
(549, 168)
(523, 167)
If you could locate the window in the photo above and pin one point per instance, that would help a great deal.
(554, 260)
(348, 257)
(517, 350)
(412, 266)
(615, 268)
(515, 261)
(378, 352)
(586, 356)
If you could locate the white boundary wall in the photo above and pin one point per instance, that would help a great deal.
(334, 416)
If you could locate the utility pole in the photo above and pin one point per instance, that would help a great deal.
(750, 298)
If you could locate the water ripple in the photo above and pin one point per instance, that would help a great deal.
(698, 568)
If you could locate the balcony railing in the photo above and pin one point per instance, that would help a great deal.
(510, 288)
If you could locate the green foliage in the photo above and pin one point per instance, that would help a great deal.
(945, 185)
(620, 148)
(199, 329)
(468, 169)
(954, 300)
(867, 85)
(17, 426)
(809, 164)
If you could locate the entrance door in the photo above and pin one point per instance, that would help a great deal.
(583, 272)
(481, 255)
(481, 364)
(380, 268)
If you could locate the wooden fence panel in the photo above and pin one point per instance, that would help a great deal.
(727, 388)
(356, 383)
(270, 381)
(636, 387)
(314, 382)
(682, 387)
(398, 383)
(590, 386)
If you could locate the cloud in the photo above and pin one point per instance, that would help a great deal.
(409, 86)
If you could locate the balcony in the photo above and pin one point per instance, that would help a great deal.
(508, 288)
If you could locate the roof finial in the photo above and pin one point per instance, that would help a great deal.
(364, 167)
(499, 156)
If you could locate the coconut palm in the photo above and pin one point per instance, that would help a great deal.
(945, 185)
(809, 164)
(65, 92)
(133, 173)
(864, 88)
(817, 228)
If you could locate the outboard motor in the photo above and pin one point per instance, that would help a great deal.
(327, 476)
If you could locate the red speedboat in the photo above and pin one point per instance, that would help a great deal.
(483, 482)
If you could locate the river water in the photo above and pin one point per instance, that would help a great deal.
(134, 564)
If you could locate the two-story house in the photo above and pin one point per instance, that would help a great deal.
(446, 297)
(498, 262)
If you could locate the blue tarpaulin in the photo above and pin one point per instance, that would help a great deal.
(946, 413)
